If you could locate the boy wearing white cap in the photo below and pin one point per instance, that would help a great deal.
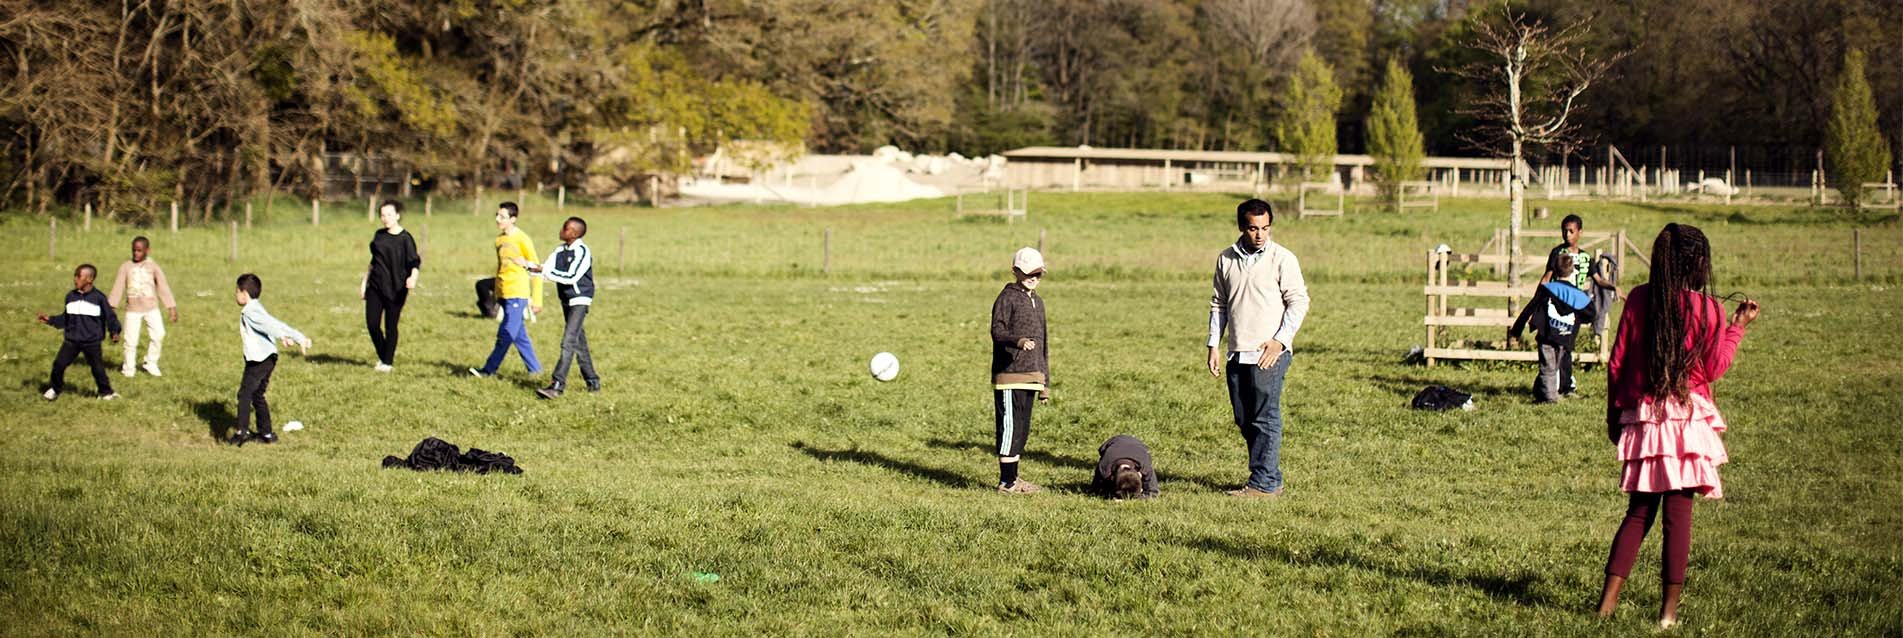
(1020, 365)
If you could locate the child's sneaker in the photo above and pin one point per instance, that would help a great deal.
(384, 367)
(110, 397)
(127, 371)
(551, 392)
(151, 369)
(478, 373)
(50, 394)
(1020, 486)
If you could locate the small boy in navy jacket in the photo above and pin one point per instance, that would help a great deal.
(1564, 308)
(88, 320)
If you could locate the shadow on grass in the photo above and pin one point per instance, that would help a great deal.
(940, 476)
(218, 417)
(1516, 589)
(1087, 466)
(324, 359)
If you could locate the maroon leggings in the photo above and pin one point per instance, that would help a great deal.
(1639, 513)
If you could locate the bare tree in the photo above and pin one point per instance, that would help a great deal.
(1272, 32)
(1531, 78)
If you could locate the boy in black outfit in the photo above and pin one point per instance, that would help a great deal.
(87, 321)
(1564, 308)
(1020, 365)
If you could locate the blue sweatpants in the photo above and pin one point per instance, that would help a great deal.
(513, 332)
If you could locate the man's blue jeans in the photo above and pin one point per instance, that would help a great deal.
(1256, 397)
(513, 332)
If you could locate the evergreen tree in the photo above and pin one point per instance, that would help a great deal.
(1394, 136)
(1854, 151)
(1306, 125)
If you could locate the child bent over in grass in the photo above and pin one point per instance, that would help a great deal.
(87, 321)
(261, 333)
(1124, 469)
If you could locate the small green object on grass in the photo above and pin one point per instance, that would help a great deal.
(706, 577)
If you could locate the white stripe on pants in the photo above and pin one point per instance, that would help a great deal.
(155, 319)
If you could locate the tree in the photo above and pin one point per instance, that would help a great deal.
(1394, 136)
(1306, 125)
(1854, 150)
(1530, 78)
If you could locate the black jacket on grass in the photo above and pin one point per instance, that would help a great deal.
(1018, 314)
(88, 318)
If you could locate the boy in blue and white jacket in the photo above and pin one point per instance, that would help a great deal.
(572, 268)
(1563, 309)
(87, 321)
(261, 333)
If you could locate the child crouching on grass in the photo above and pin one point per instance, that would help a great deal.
(261, 333)
(87, 321)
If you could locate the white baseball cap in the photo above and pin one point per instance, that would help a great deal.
(1028, 260)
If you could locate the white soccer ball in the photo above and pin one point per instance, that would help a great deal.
(885, 366)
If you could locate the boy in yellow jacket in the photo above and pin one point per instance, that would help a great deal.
(518, 289)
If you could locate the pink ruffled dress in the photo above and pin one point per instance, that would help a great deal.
(1665, 444)
(1672, 445)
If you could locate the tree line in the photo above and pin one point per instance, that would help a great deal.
(131, 102)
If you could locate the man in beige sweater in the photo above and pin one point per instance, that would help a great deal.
(1259, 302)
(140, 290)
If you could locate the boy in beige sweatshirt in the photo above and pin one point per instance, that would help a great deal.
(140, 290)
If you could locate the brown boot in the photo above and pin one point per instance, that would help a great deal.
(1609, 596)
(1668, 606)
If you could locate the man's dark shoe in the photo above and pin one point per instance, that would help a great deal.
(267, 438)
(239, 437)
(553, 390)
(594, 385)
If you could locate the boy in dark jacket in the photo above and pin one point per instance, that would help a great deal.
(1020, 365)
(87, 321)
(1563, 309)
(1124, 469)
(572, 268)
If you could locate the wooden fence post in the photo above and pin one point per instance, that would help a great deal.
(370, 209)
(475, 208)
(52, 238)
(89, 217)
(247, 214)
(621, 250)
(561, 197)
(314, 211)
(826, 258)
(1040, 241)
(428, 203)
(234, 242)
(424, 250)
(174, 217)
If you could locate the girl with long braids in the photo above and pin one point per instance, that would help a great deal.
(1673, 343)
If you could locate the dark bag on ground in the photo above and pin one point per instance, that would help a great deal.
(1440, 397)
(486, 302)
(436, 454)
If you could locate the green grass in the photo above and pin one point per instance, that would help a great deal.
(739, 434)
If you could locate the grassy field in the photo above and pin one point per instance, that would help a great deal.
(739, 435)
